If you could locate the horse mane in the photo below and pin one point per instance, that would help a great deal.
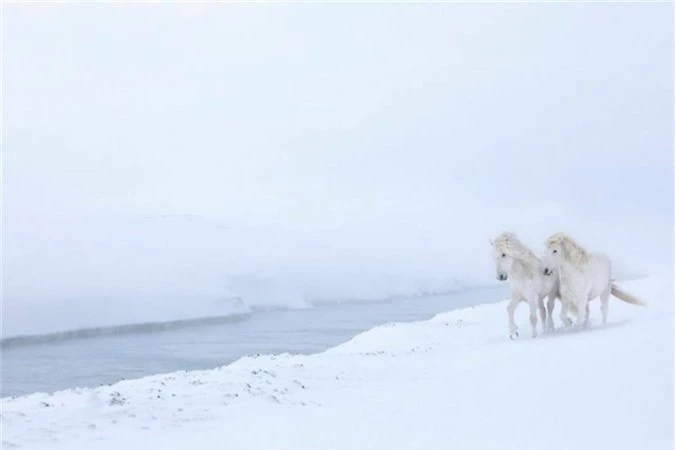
(509, 243)
(573, 252)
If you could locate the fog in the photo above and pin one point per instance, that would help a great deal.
(160, 160)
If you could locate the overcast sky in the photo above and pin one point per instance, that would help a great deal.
(333, 117)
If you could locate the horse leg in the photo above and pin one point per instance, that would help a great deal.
(542, 313)
(604, 304)
(511, 309)
(533, 316)
(550, 304)
(564, 311)
(582, 314)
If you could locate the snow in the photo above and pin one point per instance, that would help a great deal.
(455, 381)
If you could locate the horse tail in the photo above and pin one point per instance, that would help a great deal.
(625, 296)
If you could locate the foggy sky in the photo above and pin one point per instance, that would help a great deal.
(449, 119)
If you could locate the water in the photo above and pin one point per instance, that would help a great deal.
(91, 362)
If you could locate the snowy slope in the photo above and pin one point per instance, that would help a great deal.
(454, 382)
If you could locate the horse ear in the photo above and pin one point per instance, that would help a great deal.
(492, 243)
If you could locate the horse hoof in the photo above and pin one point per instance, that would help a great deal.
(513, 336)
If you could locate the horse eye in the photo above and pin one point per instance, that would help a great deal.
(503, 255)
(555, 251)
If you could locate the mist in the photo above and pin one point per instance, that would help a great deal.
(172, 161)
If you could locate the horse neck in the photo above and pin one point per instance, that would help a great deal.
(568, 267)
(519, 269)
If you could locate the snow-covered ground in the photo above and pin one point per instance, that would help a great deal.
(455, 381)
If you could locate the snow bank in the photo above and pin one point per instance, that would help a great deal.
(455, 381)
(78, 276)
(103, 271)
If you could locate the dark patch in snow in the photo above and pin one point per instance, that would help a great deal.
(117, 399)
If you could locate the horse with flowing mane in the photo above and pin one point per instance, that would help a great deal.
(524, 271)
(582, 276)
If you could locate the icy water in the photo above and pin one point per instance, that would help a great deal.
(91, 362)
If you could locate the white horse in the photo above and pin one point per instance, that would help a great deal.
(583, 276)
(524, 272)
